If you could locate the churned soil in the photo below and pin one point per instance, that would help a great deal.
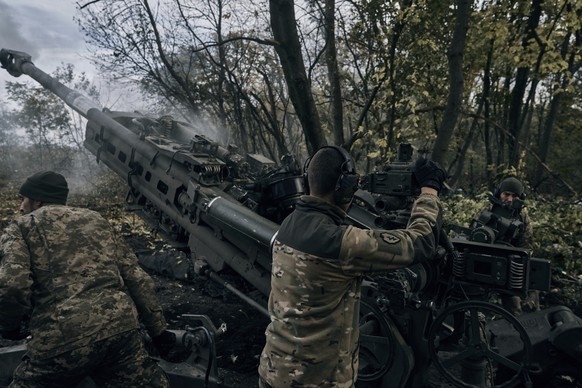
(238, 349)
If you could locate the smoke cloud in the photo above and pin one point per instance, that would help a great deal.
(45, 30)
(11, 31)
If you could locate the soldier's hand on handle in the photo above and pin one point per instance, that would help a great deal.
(429, 174)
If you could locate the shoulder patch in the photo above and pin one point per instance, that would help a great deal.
(389, 238)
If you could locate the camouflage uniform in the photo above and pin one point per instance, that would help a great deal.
(524, 239)
(67, 272)
(318, 265)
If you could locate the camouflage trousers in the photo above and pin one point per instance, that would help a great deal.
(118, 361)
(517, 306)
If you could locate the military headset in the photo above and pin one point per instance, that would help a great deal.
(347, 182)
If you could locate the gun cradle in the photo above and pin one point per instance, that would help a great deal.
(191, 194)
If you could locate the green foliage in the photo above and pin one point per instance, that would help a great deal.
(8, 139)
(564, 160)
(557, 229)
(461, 210)
(42, 126)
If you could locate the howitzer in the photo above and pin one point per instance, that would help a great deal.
(501, 224)
(394, 185)
(225, 208)
(197, 194)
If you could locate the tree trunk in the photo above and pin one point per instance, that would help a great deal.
(521, 80)
(333, 74)
(483, 105)
(221, 92)
(288, 48)
(455, 56)
(573, 66)
(487, 113)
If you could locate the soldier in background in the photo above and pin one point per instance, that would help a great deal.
(511, 195)
(511, 190)
(69, 279)
(318, 266)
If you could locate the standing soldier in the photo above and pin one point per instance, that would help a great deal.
(318, 266)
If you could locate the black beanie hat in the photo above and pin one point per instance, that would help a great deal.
(46, 186)
(512, 185)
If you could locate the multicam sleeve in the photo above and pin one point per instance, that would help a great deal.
(525, 238)
(141, 288)
(366, 251)
(15, 279)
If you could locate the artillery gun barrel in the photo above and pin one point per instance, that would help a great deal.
(159, 169)
(18, 63)
(243, 220)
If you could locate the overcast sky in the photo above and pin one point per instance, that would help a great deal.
(44, 29)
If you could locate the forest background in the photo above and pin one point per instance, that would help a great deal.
(486, 88)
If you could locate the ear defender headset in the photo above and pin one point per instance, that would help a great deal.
(347, 182)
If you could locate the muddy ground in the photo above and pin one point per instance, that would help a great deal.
(239, 348)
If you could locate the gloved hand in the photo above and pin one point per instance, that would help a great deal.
(15, 335)
(164, 342)
(429, 174)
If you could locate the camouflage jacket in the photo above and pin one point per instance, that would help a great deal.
(67, 272)
(318, 264)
